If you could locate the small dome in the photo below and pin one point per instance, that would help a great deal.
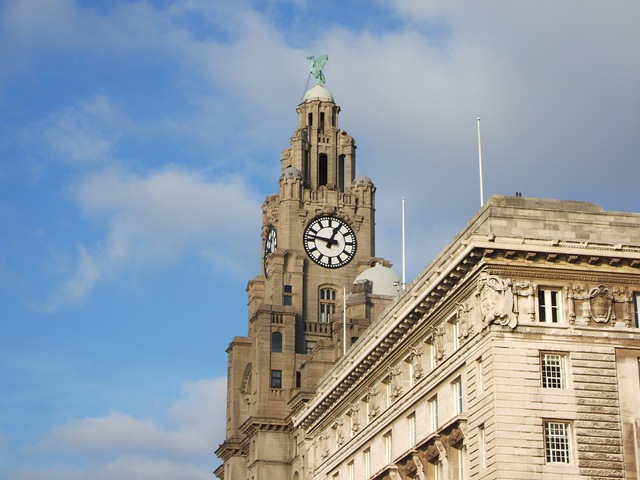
(385, 281)
(318, 93)
(362, 180)
(291, 172)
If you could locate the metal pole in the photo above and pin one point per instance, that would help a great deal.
(480, 162)
(404, 261)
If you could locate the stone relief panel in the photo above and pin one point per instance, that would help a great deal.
(495, 296)
(524, 300)
(599, 305)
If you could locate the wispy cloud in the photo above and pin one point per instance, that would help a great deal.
(119, 445)
(155, 219)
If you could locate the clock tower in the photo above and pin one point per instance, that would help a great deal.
(317, 240)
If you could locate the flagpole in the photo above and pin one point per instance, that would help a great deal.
(404, 261)
(480, 162)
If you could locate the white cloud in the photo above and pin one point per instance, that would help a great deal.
(85, 134)
(156, 219)
(121, 446)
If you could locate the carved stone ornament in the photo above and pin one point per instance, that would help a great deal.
(465, 326)
(496, 300)
(437, 335)
(600, 303)
(415, 357)
(354, 412)
(372, 400)
(394, 379)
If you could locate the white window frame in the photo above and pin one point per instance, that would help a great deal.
(547, 311)
(458, 401)
(388, 447)
(411, 420)
(557, 442)
(553, 370)
(350, 471)
(636, 305)
(480, 376)
(367, 463)
(433, 413)
(482, 440)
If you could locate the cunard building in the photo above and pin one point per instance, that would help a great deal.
(514, 355)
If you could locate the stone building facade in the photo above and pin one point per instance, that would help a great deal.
(514, 355)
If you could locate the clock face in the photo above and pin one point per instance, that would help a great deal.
(330, 242)
(270, 245)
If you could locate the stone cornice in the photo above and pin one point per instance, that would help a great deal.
(253, 425)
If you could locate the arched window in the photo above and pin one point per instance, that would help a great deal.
(327, 304)
(276, 342)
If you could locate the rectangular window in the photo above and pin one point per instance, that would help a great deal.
(482, 440)
(287, 295)
(388, 447)
(351, 475)
(411, 420)
(298, 379)
(480, 375)
(456, 387)
(433, 413)
(550, 305)
(336, 476)
(636, 302)
(387, 392)
(455, 333)
(553, 370)
(327, 304)
(556, 442)
(367, 463)
(276, 378)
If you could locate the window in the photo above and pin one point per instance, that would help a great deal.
(411, 419)
(367, 463)
(636, 302)
(482, 439)
(327, 304)
(455, 333)
(550, 305)
(336, 476)
(480, 375)
(350, 471)
(387, 392)
(553, 370)
(456, 463)
(457, 396)
(388, 447)
(276, 378)
(287, 295)
(556, 442)
(298, 379)
(433, 413)
(276, 342)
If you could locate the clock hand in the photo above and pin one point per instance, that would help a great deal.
(330, 241)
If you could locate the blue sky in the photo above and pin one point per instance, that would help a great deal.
(139, 138)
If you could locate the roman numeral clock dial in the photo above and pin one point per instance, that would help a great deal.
(330, 242)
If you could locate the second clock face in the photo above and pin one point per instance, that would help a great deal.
(329, 242)
(270, 245)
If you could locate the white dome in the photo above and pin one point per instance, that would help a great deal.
(318, 93)
(385, 281)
